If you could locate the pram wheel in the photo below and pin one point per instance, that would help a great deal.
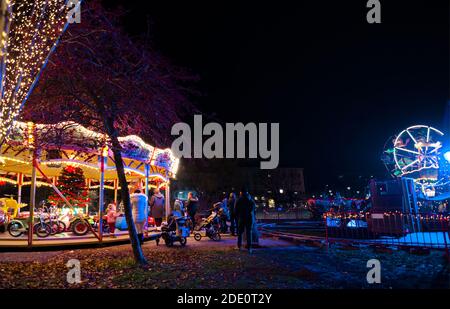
(197, 236)
(216, 237)
(183, 241)
(169, 243)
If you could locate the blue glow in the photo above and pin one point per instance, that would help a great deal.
(447, 156)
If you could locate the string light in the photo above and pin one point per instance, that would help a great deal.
(7, 180)
(75, 129)
(38, 183)
(5, 18)
(70, 162)
(33, 32)
(13, 160)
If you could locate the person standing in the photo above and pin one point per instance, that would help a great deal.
(157, 204)
(139, 203)
(224, 215)
(231, 208)
(111, 218)
(245, 214)
(178, 206)
(191, 207)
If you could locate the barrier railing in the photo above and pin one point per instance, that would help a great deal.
(288, 214)
(389, 228)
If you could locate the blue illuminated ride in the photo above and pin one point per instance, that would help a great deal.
(418, 152)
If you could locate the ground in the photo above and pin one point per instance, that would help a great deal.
(207, 264)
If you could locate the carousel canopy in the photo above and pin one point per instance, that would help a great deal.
(69, 143)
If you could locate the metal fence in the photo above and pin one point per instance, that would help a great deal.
(288, 214)
(389, 228)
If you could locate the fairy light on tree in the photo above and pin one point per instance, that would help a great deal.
(33, 32)
(115, 86)
(5, 17)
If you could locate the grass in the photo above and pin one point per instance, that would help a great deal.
(283, 267)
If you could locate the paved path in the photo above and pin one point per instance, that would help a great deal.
(64, 240)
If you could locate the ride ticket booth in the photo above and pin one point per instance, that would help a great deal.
(37, 155)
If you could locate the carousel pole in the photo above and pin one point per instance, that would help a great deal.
(116, 187)
(147, 175)
(101, 196)
(86, 183)
(19, 189)
(31, 146)
(167, 198)
(32, 201)
(89, 183)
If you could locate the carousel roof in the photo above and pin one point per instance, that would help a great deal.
(69, 143)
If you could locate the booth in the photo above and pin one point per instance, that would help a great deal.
(36, 154)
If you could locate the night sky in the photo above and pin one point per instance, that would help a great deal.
(338, 86)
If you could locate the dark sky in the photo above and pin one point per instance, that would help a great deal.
(338, 86)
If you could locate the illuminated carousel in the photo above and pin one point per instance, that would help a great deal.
(57, 148)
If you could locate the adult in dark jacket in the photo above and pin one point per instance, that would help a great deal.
(191, 207)
(157, 204)
(245, 214)
(231, 208)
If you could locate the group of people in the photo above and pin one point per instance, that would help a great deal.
(242, 215)
(141, 210)
(189, 208)
(240, 211)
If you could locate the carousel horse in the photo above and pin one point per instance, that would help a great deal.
(9, 204)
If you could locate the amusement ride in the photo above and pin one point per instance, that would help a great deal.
(420, 153)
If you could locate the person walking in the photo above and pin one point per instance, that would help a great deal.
(157, 204)
(139, 203)
(245, 214)
(231, 208)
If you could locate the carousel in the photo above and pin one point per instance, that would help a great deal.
(41, 155)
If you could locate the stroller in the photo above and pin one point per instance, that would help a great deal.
(175, 230)
(210, 225)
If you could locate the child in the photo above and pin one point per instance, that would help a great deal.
(111, 217)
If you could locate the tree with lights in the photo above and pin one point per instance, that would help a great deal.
(116, 86)
(72, 185)
(30, 33)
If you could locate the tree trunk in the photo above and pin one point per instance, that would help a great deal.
(137, 250)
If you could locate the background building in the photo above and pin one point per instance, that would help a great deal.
(285, 186)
